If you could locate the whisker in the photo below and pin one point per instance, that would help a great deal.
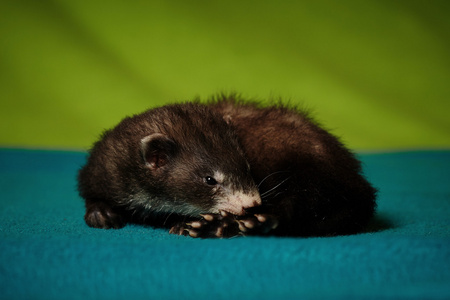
(272, 189)
(268, 193)
(167, 218)
(277, 194)
(274, 173)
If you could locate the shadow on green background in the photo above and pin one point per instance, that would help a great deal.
(375, 72)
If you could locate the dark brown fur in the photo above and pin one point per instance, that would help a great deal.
(121, 183)
(308, 181)
(318, 187)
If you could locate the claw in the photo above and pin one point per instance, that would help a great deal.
(192, 233)
(195, 224)
(261, 218)
(223, 213)
(242, 227)
(207, 217)
(176, 230)
(249, 224)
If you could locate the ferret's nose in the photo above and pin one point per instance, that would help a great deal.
(252, 201)
(255, 203)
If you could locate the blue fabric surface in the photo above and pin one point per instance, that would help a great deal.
(47, 251)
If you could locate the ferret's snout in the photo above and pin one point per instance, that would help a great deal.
(256, 201)
(239, 202)
(249, 201)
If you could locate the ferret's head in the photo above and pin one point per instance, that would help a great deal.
(198, 168)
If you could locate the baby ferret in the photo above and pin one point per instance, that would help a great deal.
(225, 168)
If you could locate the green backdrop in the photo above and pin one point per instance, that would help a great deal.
(375, 72)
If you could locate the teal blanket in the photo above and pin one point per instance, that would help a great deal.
(47, 251)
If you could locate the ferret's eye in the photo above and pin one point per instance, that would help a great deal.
(210, 180)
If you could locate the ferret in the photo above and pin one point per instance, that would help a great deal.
(225, 168)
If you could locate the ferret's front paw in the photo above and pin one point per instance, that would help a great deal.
(257, 224)
(100, 215)
(221, 225)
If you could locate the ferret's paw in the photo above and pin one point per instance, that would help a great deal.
(257, 224)
(221, 225)
(179, 229)
(100, 215)
(192, 229)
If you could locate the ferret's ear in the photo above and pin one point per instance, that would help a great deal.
(157, 149)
